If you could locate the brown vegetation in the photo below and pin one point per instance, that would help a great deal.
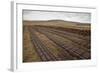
(56, 40)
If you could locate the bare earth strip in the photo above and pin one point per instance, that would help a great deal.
(29, 53)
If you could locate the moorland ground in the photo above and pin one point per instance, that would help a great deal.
(56, 40)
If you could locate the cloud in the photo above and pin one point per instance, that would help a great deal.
(50, 15)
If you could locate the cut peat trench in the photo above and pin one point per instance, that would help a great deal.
(67, 45)
(80, 42)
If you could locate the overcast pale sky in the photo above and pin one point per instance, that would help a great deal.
(50, 15)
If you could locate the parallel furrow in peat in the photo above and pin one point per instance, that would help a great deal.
(69, 48)
(41, 49)
(77, 41)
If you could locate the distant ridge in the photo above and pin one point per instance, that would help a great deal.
(56, 20)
